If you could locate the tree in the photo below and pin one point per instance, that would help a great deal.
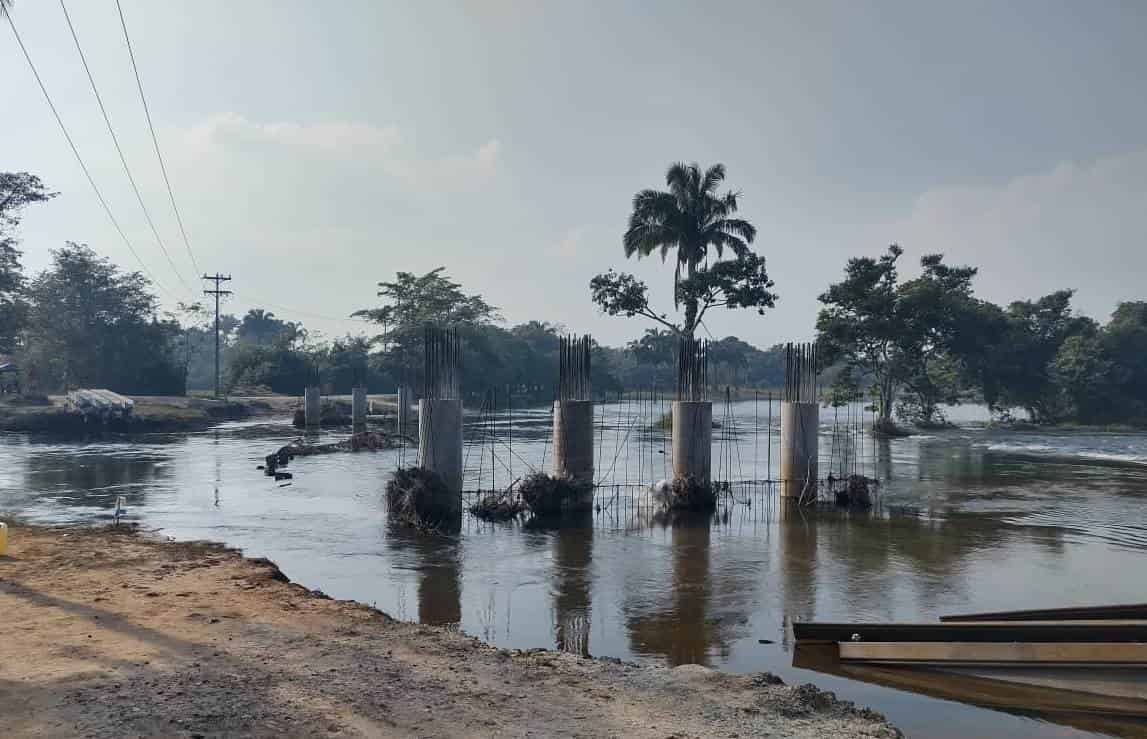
(899, 335)
(261, 327)
(1021, 363)
(90, 325)
(1125, 344)
(859, 326)
(690, 217)
(413, 302)
(933, 310)
(17, 191)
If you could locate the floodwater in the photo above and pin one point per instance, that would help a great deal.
(967, 519)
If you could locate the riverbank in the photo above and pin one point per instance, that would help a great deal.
(111, 632)
(151, 414)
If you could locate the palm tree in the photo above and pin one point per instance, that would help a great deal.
(690, 217)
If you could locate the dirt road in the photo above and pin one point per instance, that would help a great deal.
(111, 633)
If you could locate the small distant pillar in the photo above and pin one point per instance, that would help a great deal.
(358, 409)
(800, 426)
(312, 405)
(440, 441)
(693, 440)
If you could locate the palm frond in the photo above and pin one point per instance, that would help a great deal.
(742, 228)
(714, 176)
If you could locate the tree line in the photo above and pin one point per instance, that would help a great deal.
(911, 347)
(84, 322)
(914, 346)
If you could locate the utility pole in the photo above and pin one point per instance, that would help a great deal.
(217, 279)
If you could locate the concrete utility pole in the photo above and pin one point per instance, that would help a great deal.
(217, 279)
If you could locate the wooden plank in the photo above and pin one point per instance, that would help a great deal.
(1087, 613)
(982, 652)
(979, 631)
(1083, 710)
(1107, 680)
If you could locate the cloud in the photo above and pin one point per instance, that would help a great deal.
(569, 244)
(1077, 225)
(284, 144)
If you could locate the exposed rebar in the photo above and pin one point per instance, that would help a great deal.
(443, 359)
(692, 368)
(800, 373)
(574, 368)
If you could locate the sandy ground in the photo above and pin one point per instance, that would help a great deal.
(113, 633)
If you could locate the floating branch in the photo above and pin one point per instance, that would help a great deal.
(800, 373)
(443, 358)
(692, 368)
(574, 368)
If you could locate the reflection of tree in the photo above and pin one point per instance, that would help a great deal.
(439, 566)
(92, 478)
(573, 555)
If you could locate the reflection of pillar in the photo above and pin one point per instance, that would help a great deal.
(883, 458)
(440, 441)
(438, 563)
(682, 632)
(573, 556)
(799, 448)
(439, 583)
(798, 544)
(693, 440)
(312, 405)
(358, 409)
(691, 591)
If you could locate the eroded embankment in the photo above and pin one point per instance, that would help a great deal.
(110, 633)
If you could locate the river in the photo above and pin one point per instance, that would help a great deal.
(967, 519)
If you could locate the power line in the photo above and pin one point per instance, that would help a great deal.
(289, 309)
(63, 129)
(154, 139)
(119, 150)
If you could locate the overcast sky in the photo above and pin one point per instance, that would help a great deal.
(317, 148)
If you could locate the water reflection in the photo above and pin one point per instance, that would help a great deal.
(969, 519)
(573, 579)
(438, 561)
(94, 476)
(678, 627)
(798, 552)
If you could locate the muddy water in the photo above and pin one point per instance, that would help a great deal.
(967, 519)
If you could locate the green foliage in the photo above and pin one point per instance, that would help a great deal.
(900, 335)
(1010, 354)
(90, 325)
(412, 303)
(690, 217)
(261, 328)
(17, 191)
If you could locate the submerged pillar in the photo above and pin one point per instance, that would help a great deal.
(440, 442)
(800, 425)
(358, 409)
(693, 440)
(573, 440)
(573, 449)
(312, 406)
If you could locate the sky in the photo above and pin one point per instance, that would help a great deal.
(317, 148)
